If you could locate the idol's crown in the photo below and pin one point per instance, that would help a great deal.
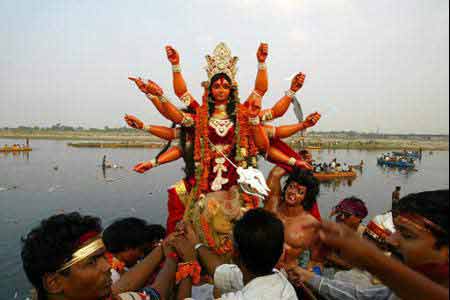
(222, 62)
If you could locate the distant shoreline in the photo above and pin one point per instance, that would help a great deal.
(334, 141)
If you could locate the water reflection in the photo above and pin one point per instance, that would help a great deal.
(16, 155)
(337, 183)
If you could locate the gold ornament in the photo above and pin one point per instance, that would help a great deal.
(222, 62)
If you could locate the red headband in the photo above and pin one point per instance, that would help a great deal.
(87, 237)
(422, 222)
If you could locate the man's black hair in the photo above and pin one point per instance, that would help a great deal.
(259, 238)
(433, 206)
(47, 247)
(307, 180)
(130, 233)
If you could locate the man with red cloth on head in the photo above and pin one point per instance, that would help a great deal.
(351, 212)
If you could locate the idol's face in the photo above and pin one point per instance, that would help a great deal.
(221, 90)
(295, 194)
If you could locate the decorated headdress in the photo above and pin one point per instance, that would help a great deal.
(222, 62)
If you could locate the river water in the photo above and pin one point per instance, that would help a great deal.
(56, 178)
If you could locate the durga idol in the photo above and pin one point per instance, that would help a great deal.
(227, 137)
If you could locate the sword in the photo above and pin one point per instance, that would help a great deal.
(298, 110)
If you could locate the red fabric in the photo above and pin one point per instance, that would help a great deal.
(231, 174)
(283, 147)
(87, 236)
(176, 210)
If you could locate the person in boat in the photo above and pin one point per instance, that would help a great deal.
(396, 194)
(333, 165)
(345, 168)
(128, 241)
(422, 223)
(293, 204)
(318, 169)
(64, 259)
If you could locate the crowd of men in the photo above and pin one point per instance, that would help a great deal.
(71, 257)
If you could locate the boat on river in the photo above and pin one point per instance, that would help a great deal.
(15, 149)
(323, 176)
(314, 148)
(402, 164)
(408, 154)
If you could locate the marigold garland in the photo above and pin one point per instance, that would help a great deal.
(115, 264)
(191, 269)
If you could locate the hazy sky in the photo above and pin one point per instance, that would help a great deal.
(370, 64)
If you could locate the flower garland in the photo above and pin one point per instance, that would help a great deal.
(115, 264)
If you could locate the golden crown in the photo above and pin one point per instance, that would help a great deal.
(222, 62)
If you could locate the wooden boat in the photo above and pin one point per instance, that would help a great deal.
(11, 149)
(396, 164)
(313, 148)
(335, 175)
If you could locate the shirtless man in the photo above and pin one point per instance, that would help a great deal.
(292, 204)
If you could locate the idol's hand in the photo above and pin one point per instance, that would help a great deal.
(143, 167)
(140, 84)
(254, 107)
(263, 52)
(172, 55)
(134, 122)
(303, 165)
(312, 119)
(297, 82)
(154, 89)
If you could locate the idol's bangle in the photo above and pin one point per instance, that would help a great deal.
(290, 93)
(163, 99)
(255, 121)
(186, 98)
(198, 246)
(150, 96)
(262, 66)
(146, 128)
(292, 161)
(154, 163)
(176, 68)
(187, 121)
(258, 95)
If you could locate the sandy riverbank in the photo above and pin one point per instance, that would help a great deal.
(138, 139)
